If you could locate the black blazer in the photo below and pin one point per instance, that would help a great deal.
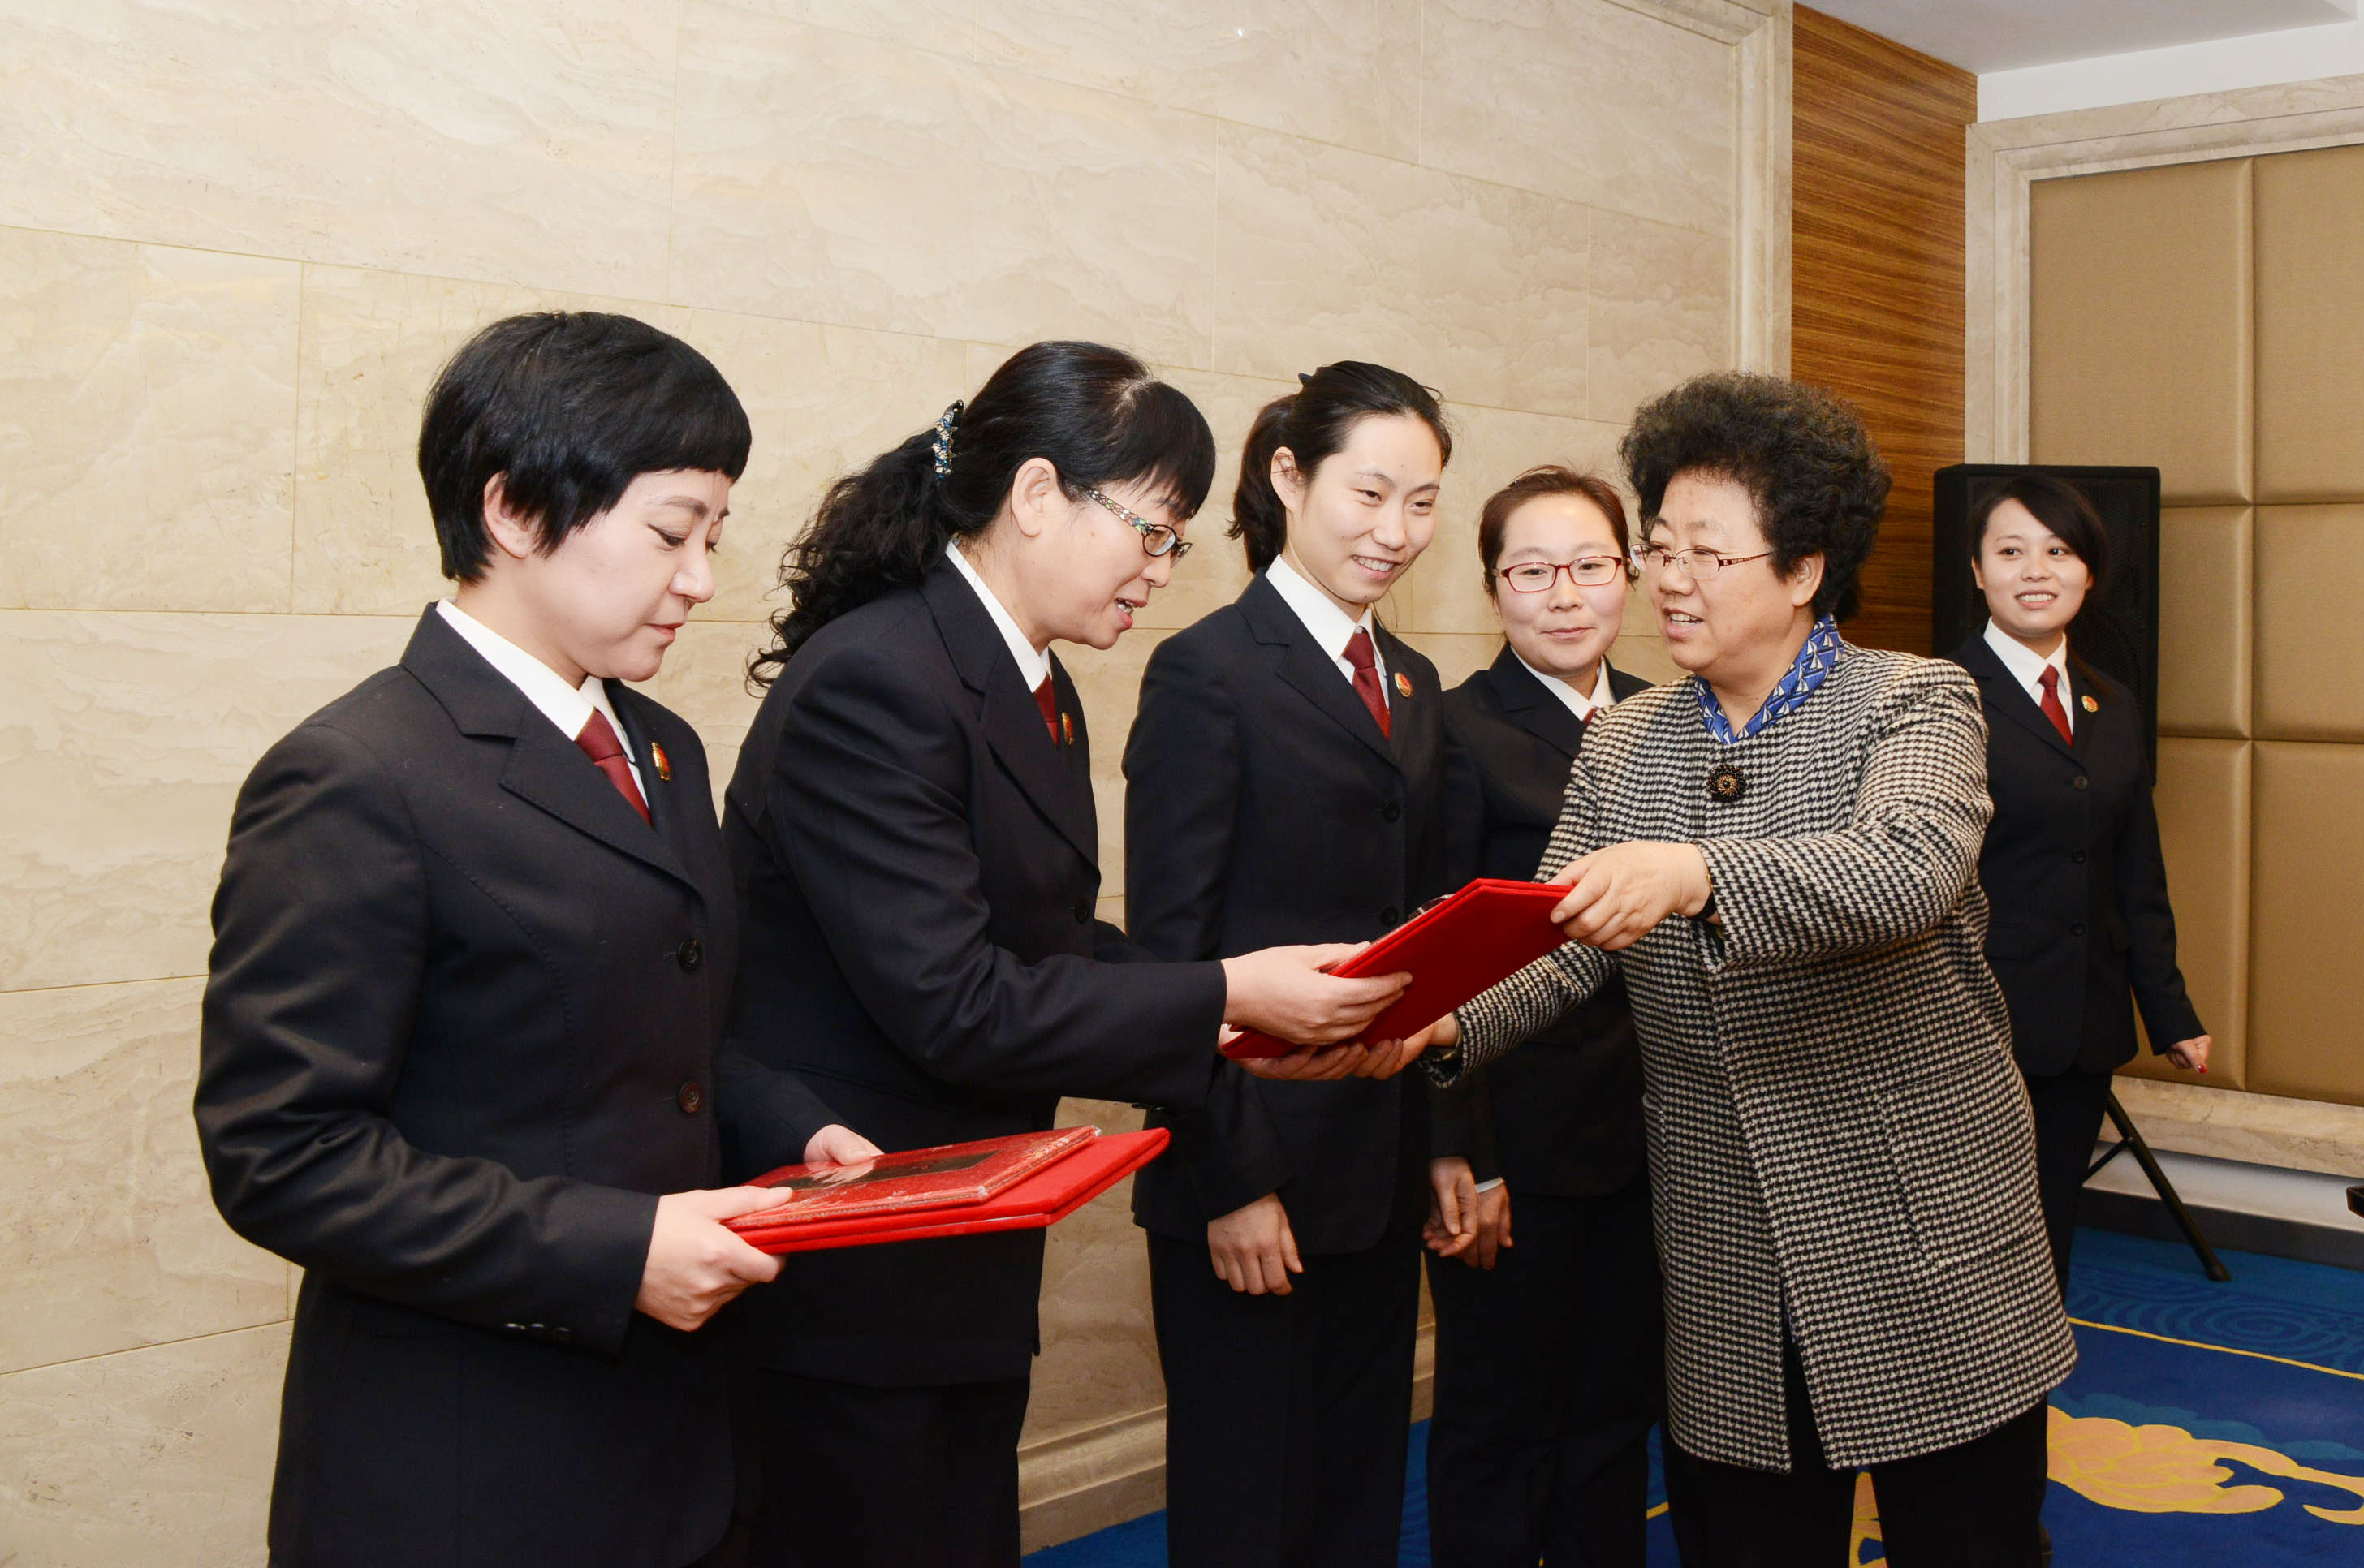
(917, 863)
(2079, 927)
(1264, 806)
(1563, 1114)
(461, 1031)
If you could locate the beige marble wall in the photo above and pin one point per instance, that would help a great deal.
(237, 237)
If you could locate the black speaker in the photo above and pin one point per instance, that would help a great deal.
(2117, 631)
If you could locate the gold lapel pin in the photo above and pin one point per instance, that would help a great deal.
(2093, 706)
(1403, 684)
(665, 763)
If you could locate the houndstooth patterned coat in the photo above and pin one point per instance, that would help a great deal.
(1835, 1119)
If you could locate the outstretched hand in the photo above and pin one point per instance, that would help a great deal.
(1617, 895)
(1285, 992)
(1363, 1059)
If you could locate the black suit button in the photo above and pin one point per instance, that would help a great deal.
(1391, 811)
(689, 955)
(691, 1098)
(1389, 915)
(2078, 857)
(2079, 781)
(2077, 929)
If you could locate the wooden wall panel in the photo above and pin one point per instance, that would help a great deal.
(1877, 249)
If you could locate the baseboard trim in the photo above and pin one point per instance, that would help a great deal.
(1074, 1482)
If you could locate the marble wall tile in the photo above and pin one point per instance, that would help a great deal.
(1217, 569)
(1641, 650)
(148, 404)
(107, 1224)
(124, 738)
(833, 178)
(158, 1456)
(1325, 253)
(1099, 1353)
(1447, 591)
(947, 27)
(527, 142)
(373, 343)
(1661, 311)
(705, 679)
(1583, 99)
(822, 401)
(1346, 72)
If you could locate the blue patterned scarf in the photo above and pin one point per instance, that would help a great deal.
(1813, 666)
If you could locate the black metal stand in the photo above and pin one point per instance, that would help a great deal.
(2129, 1138)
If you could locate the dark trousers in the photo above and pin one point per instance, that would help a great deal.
(1550, 1371)
(2068, 1110)
(1287, 1417)
(1976, 1505)
(857, 1478)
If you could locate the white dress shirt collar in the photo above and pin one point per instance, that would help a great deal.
(1034, 663)
(2028, 669)
(1581, 704)
(569, 707)
(1331, 627)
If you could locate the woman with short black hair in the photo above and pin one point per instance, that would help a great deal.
(916, 849)
(1779, 855)
(2081, 928)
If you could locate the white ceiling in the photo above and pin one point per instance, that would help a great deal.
(1981, 35)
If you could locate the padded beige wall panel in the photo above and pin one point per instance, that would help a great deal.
(2203, 825)
(2205, 559)
(2138, 335)
(2306, 985)
(2310, 242)
(2310, 639)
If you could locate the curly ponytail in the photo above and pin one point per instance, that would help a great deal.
(1313, 423)
(1095, 413)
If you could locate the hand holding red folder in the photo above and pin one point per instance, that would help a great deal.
(1456, 948)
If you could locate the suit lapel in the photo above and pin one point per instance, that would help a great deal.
(1045, 771)
(2006, 698)
(668, 813)
(1309, 668)
(1526, 704)
(545, 769)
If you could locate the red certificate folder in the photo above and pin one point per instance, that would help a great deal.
(1050, 1193)
(1461, 945)
(940, 1177)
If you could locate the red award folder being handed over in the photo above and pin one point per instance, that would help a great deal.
(1461, 945)
(1024, 1182)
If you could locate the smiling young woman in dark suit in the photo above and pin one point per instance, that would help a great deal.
(2081, 932)
(1548, 1351)
(912, 830)
(1285, 783)
(472, 949)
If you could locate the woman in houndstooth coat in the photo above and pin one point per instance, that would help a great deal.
(1780, 855)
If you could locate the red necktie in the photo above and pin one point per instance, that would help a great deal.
(1048, 701)
(599, 743)
(1366, 661)
(2050, 682)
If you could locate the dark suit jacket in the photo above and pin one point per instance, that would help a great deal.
(1563, 1114)
(917, 866)
(461, 1031)
(1264, 806)
(2081, 928)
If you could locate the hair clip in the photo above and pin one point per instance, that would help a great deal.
(943, 445)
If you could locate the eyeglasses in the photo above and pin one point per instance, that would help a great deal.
(1156, 537)
(1698, 563)
(1585, 571)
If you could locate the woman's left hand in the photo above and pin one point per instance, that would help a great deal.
(836, 1144)
(1382, 1059)
(2192, 1055)
(1617, 895)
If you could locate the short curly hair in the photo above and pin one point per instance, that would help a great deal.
(1819, 482)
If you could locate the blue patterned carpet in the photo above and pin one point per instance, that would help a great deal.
(2206, 1424)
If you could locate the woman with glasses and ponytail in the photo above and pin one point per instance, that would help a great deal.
(1548, 1352)
(912, 836)
(1286, 782)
